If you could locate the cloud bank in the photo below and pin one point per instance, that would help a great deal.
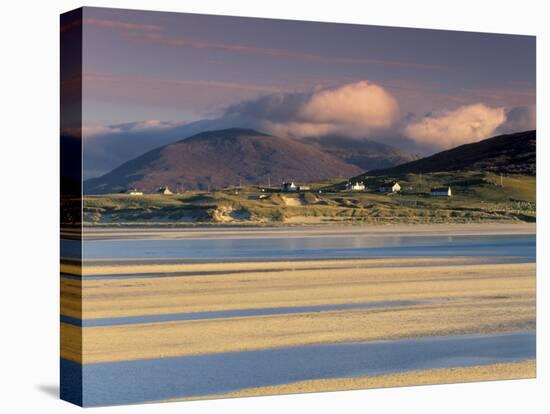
(355, 109)
(447, 129)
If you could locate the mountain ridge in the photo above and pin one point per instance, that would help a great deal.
(508, 154)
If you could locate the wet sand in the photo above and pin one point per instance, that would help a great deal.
(514, 370)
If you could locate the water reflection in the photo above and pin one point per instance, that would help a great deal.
(356, 246)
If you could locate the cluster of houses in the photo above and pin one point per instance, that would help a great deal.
(161, 190)
(394, 187)
(390, 187)
(290, 186)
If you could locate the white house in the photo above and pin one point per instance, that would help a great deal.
(356, 186)
(289, 186)
(134, 192)
(392, 187)
(164, 191)
(441, 192)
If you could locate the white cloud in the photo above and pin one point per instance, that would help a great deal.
(463, 125)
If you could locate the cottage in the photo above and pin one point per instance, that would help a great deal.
(164, 191)
(392, 187)
(289, 186)
(134, 192)
(356, 186)
(441, 192)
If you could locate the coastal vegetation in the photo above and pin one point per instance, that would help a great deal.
(476, 197)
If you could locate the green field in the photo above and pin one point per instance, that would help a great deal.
(477, 197)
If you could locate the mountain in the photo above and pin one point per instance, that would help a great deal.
(217, 159)
(366, 154)
(508, 154)
(105, 152)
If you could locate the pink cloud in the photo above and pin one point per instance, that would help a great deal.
(363, 104)
(354, 109)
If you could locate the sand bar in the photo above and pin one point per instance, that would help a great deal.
(151, 296)
(456, 299)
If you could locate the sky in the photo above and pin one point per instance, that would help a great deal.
(153, 75)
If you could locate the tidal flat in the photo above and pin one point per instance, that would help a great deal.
(153, 309)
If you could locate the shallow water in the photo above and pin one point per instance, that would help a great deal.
(191, 376)
(194, 316)
(354, 246)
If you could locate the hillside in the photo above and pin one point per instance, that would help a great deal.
(507, 154)
(366, 154)
(217, 159)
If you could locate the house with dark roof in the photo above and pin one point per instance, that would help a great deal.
(289, 186)
(164, 191)
(391, 187)
(355, 186)
(134, 191)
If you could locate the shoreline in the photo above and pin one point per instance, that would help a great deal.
(304, 230)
